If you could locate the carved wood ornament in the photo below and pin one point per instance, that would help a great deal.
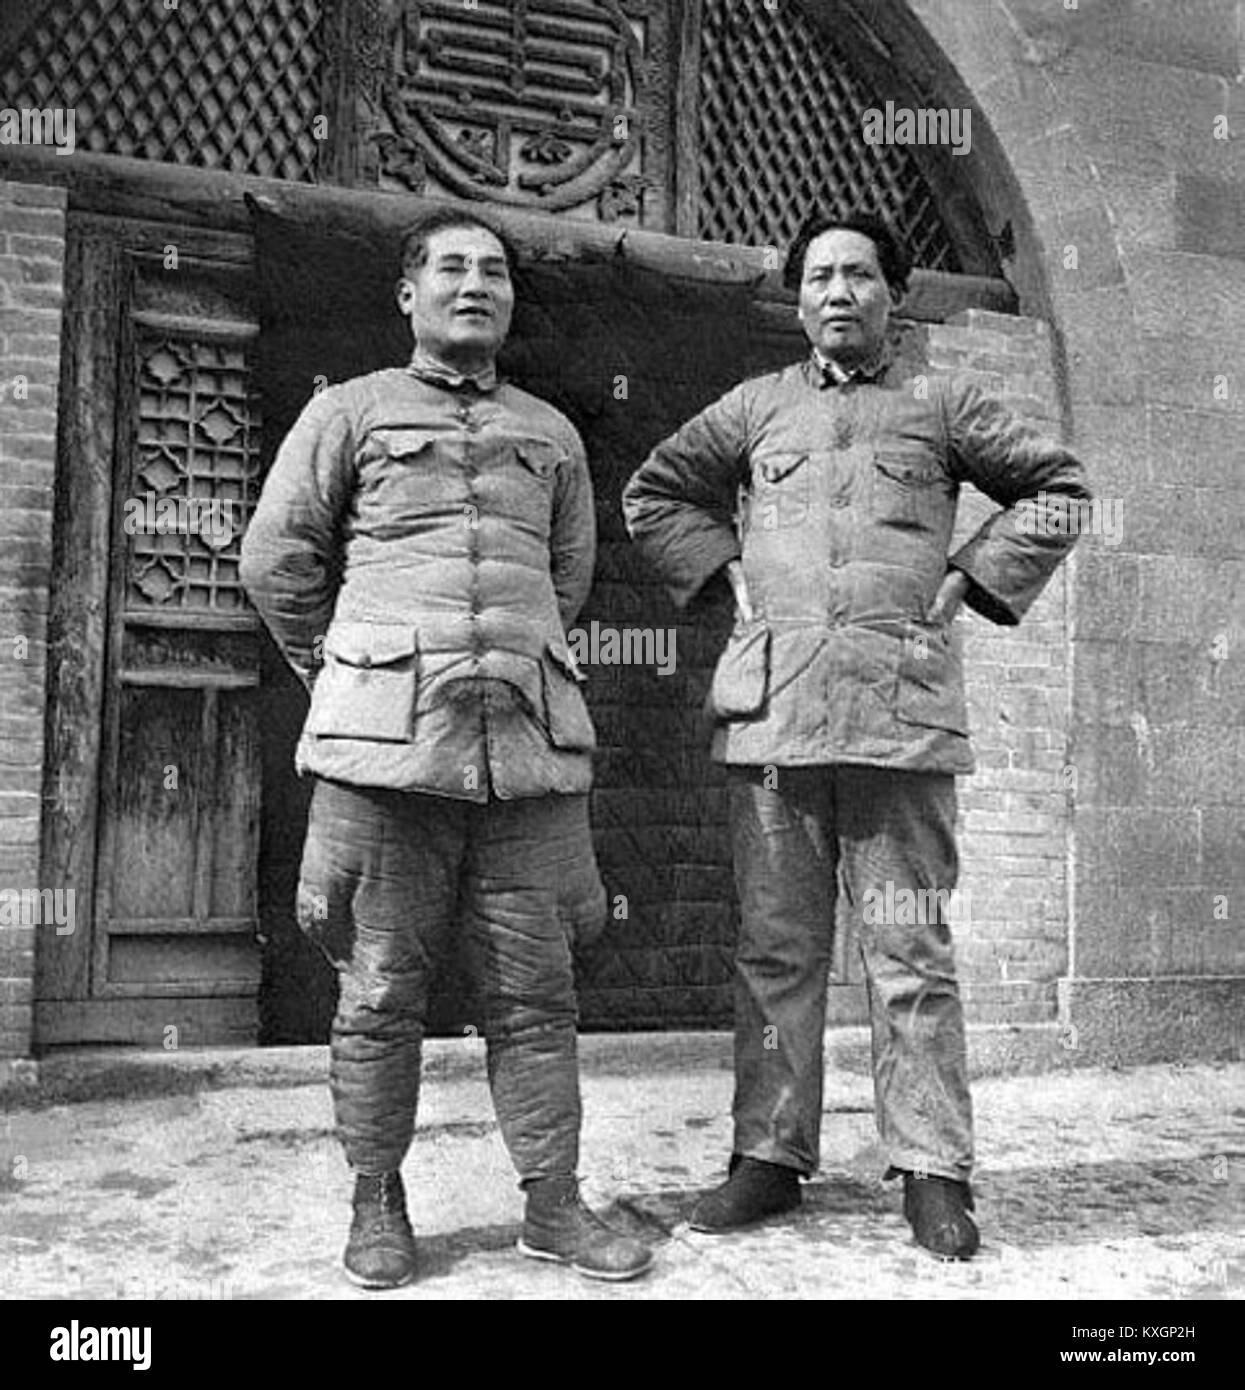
(544, 104)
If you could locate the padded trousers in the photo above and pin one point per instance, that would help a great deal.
(384, 876)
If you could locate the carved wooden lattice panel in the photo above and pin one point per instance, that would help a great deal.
(781, 117)
(198, 438)
(550, 104)
(225, 84)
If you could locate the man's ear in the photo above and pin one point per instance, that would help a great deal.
(897, 297)
(402, 292)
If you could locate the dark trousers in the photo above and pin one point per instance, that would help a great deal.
(384, 876)
(805, 838)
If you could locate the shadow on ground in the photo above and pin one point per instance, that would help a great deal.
(1031, 1207)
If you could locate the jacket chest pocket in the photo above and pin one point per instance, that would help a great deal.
(401, 468)
(539, 459)
(400, 441)
(366, 688)
(780, 491)
(529, 472)
(909, 489)
(400, 451)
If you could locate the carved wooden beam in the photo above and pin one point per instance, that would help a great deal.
(211, 199)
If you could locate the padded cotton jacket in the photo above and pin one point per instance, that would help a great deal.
(841, 500)
(411, 535)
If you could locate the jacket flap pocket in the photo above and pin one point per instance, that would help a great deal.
(538, 456)
(566, 715)
(370, 644)
(931, 683)
(775, 467)
(366, 689)
(399, 441)
(741, 678)
(910, 469)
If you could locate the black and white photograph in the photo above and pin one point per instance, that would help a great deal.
(622, 661)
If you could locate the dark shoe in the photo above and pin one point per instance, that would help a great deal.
(558, 1226)
(380, 1253)
(754, 1190)
(937, 1210)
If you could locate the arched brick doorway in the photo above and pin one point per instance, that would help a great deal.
(680, 324)
(658, 807)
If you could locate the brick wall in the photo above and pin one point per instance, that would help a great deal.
(659, 806)
(32, 243)
(1102, 836)
(659, 809)
(1119, 130)
(1014, 812)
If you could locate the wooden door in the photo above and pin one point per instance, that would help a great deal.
(152, 814)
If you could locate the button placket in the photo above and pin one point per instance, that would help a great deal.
(472, 469)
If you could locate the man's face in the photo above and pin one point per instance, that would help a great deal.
(844, 298)
(460, 300)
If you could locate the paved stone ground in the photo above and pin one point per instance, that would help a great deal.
(1092, 1184)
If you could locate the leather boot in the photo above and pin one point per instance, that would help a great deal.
(937, 1210)
(380, 1253)
(754, 1190)
(558, 1226)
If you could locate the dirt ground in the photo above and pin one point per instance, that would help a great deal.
(1092, 1184)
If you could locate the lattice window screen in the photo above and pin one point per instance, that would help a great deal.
(780, 132)
(222, 84)
(198, 435)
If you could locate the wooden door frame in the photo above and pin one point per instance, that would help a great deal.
(95, 390)
(78, 624)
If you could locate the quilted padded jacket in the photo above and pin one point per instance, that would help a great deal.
(410, 536)
(840, 499)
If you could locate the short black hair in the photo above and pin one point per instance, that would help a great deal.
(415, 237)
(893, 255)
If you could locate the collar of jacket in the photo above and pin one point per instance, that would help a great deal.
(428, 368)
(825, 372)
